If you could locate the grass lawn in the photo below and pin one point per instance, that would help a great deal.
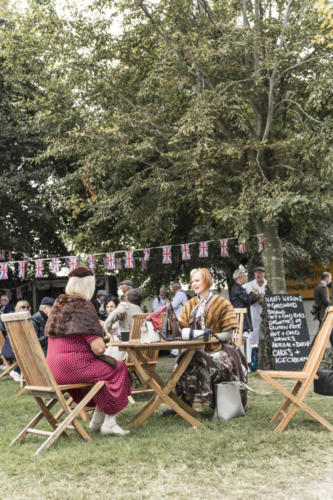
(166, 458)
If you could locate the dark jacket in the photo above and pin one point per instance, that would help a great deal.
(39, 321)
(240, 298)
(322, 299)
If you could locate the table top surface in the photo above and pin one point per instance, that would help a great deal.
(165, 345)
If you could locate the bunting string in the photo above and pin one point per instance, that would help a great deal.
(112, 262)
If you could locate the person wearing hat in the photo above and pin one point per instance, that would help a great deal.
(76, 352)
(39, 320)
(258, 287)
(99, 301)
(125, 286)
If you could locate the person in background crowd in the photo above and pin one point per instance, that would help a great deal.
(7, 351)
(258, 287)
(125, 286)
(76, 352)
(207, 368)
(179, 299)
(110, 304)
(98, 302)
(5, 306)
(161, 299)
(39, 320)
(124, 313)
(240, 298)
(322, 300)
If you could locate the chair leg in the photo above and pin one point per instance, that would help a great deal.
(37, 418)
(71, 417)
(286, 404)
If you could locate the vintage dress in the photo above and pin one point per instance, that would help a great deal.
(209, 368)
(72, 325)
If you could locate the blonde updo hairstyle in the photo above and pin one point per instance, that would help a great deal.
(205, 275)
(81, 282)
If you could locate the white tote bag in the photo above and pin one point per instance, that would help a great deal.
(113, 351)
(228, 401)
(148, 334)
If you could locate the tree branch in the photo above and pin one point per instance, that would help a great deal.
(299, 107)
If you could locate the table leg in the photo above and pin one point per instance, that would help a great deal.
(162, 393)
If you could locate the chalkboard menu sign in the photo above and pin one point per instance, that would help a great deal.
(288, 331)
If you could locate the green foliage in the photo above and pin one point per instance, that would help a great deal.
(199, 120)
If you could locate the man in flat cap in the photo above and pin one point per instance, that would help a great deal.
(125, 286)
(39, 320)
(257, 286)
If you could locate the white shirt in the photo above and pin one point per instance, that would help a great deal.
(256, 310)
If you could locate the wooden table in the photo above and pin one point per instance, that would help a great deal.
(163, 390)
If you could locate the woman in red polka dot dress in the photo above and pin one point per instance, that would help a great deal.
(76, 352)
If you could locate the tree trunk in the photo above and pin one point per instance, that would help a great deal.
(273, 258)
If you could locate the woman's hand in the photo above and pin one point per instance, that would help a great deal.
(97, 346)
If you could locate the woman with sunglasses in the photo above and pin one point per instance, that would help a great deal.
(7, 351)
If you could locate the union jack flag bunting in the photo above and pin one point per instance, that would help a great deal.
(118, 262)
(2, 254)
(224, 248)
(92, 261)
(186, 252)
(166, 255)
(38, 268)
(110, 261)
(146, 254)
(260, 238)
(203, 249)
(3, 271)
(19, 294)
(144, 264)
(21, 269)
(73, 263)
(129, 259)
(54, 265)
(241, 246)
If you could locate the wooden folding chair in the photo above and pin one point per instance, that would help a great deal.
(303, 379)
(9, 366)
(237, 334)
(42, 385)
(151, 355)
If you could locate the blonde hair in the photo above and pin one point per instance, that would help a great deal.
(21, 303)
(81, 286)
(205, 275)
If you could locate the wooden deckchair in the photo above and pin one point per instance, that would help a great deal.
(9, 366)
(42, 385)
(303, 379)
(237, 334)
(151, 355)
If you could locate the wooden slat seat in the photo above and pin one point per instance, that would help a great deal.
(42, 385)
(150, 355)
(237, 334)
(305, 377)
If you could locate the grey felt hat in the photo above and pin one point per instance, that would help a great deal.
(127, 282)
(102, 292)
